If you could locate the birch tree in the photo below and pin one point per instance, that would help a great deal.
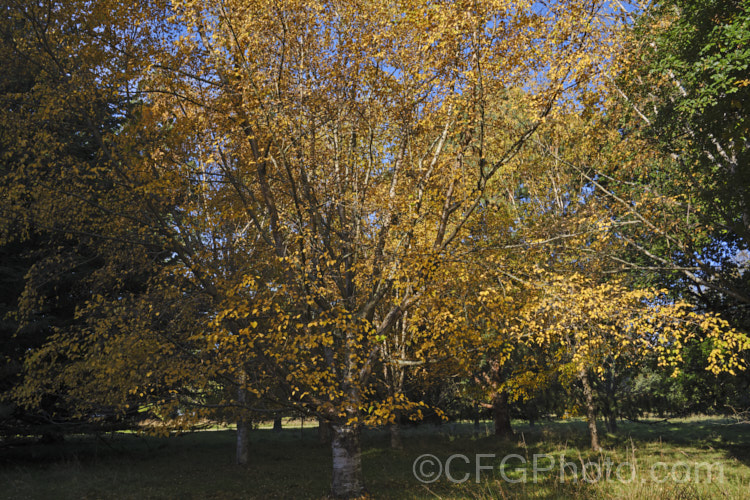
(349, 142)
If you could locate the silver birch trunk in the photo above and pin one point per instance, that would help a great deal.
(348, 481)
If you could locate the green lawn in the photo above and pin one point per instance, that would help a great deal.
(667, 460)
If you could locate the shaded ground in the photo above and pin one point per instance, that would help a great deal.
(693, 458)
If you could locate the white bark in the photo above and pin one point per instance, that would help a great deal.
(347, 463)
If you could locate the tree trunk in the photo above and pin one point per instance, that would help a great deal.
(611, 416)
(277, 424)
(532, 412)
(395, 429)
(501, 415)
(590, 410)
(243, 425)
(243, 441)
(348, 481)
(476, 419)
(396, 436)
(612, 422)
(324, 431)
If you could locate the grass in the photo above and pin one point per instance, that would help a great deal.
(654, 462)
